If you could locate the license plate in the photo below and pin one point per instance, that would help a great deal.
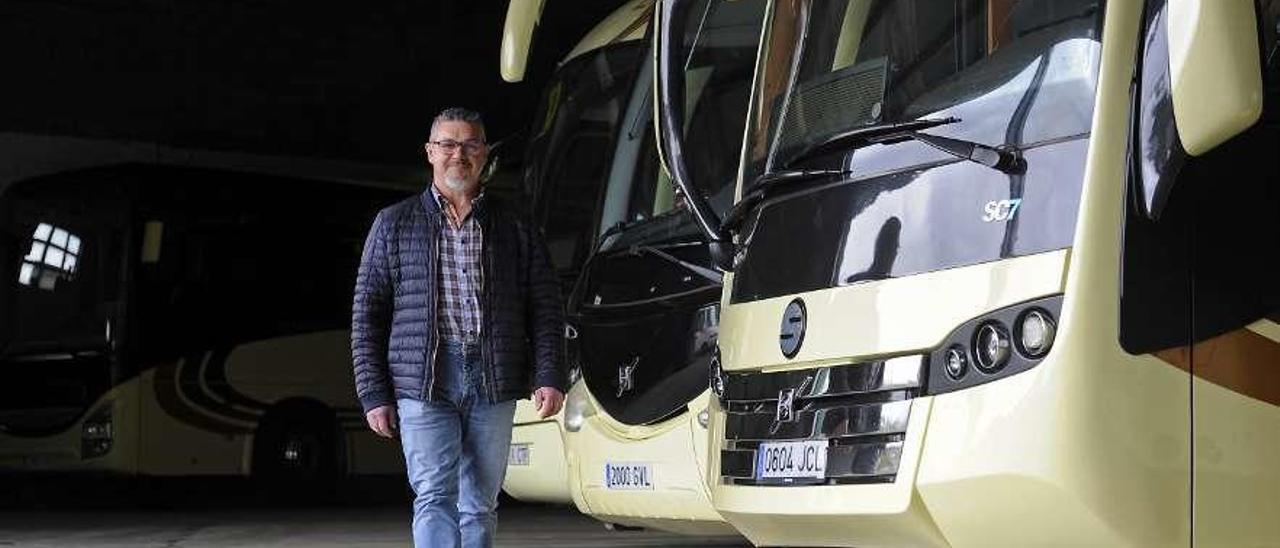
(628, 475)
(791, 459)
(518, 455)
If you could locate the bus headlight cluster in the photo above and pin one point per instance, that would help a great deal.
(97, 433)
(995, 345)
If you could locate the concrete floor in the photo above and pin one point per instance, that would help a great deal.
(226, 514)
(530, 526)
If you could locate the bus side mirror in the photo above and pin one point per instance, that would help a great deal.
(1215, 68)
(517, 37)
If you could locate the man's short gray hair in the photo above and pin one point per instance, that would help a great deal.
(459, 114)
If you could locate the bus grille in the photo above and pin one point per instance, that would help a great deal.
(861, 410)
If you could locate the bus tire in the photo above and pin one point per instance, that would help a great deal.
(298, 447)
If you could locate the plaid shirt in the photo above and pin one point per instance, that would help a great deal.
(461, 274)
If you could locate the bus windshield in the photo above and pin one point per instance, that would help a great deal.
(718, 46)
(1016, 72)
(63, 244)
(571, 144)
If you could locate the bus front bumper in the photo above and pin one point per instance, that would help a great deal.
(536, 468)
(671, 497)
(877, 514)
(91, 444)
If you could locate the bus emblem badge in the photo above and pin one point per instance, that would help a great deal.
(626, 378)
(786, 406)
(791, 333)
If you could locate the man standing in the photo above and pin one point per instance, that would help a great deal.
(456, 315)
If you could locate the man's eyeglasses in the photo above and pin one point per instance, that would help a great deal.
(449, 146)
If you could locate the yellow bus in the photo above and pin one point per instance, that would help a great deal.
(168, 320)
(1001, 274)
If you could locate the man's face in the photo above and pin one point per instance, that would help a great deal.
(457, 154)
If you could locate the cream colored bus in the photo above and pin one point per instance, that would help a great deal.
(642, 311)
(1002, 274)
(179, 321)
(568, 159)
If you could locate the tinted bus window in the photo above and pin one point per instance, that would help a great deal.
(248, 257)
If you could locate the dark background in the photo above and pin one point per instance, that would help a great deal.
(296, 82)
(350, 81)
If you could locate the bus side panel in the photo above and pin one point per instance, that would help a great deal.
(1235, 357)
(315, 367)
(176, 437)
(199, 414)
(1237, 439)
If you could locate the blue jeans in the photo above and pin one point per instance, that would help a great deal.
(455, 450)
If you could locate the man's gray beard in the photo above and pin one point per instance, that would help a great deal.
(456, 183)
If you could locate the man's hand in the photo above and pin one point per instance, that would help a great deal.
(547, 401)
(383, 421)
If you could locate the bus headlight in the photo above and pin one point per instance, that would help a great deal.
(576, 409)
(956, 362)
(1035, 333)
(97, 433)
(992, 347)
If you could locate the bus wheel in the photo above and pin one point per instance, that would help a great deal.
(297, 448)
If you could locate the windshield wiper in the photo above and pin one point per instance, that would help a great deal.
(613, 230)
(636, 249)
(1002, 159)
(764, 186)
(703, 271)
(866, 135)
